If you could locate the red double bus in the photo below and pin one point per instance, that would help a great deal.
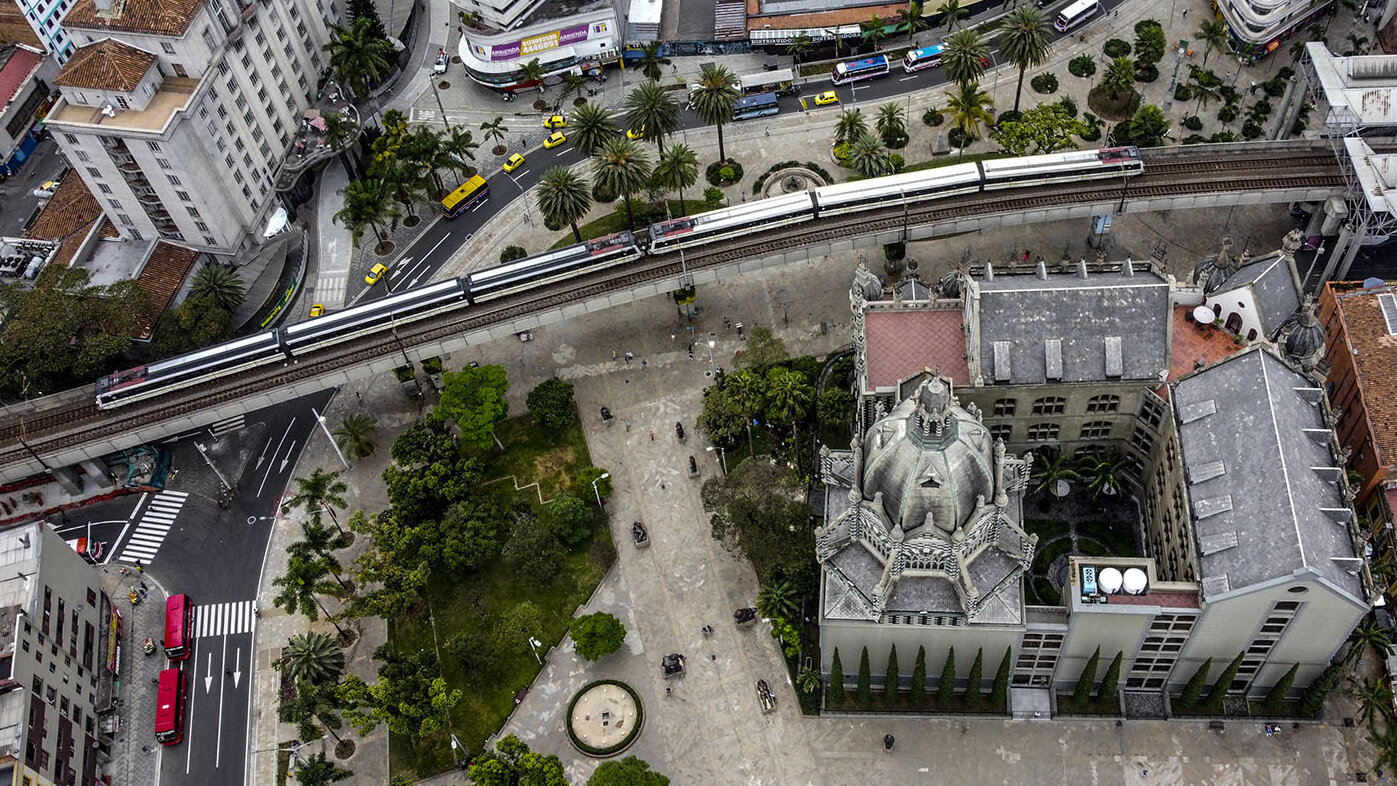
(169, 708)
(179, 627)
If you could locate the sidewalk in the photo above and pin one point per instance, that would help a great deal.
(135, 754)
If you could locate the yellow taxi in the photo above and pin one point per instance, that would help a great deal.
(375, 274)
(635, 133)
(317, 309)
(554, 139)
(556, 121)
(515, 161)
(826, 98)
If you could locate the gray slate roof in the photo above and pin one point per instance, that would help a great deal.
(1264, 516)
(1107, 326)
(1273, 287)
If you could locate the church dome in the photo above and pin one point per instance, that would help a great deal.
(1306, 339)
(929, 457)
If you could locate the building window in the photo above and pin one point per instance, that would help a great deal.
(174, 180)
(1142, 441)
(104, 188)
(1049, 405)
(1003, 431)
(1043, 432)
(116, 203)
(72, 140)
(1103, 403)
(121, 102)
(184, 197)
(154, 146)
(1096, 429)
(124, 219)
(193, 212)
(201, 226)
(1004, 407)
(162, 163)
(1152, 412)
(82, 156)
(93, 173)
(168, 48)
(208, 241)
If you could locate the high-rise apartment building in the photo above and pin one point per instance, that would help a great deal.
(177, 113)
(45, 18)
(55, 660)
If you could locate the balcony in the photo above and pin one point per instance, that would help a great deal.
(115, 145)
(129, 166)
(235, 33)
(149, 198)
(249, 11)
(137, 182)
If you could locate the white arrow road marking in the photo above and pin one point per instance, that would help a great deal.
(237, 666)
(208, 674)
(287, 460)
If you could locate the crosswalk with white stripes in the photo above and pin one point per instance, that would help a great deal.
(154, 525)
(227, 426)
(223, 619)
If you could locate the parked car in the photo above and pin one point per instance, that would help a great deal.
(826, 98)
(375, 274)
(440, 66)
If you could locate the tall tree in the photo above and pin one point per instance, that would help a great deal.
(1025, 38)
(355, 435)
(965, 57)
(874, 31)
(405, 181)
(219, 286)
(300, 584)
(1276, 697)
(869, 156)
(563, 198)
(1313, 698)
(313, 657)
(319, 771)
(368, 204)
(620, 168)
(532, 72)
(573, 84)
(849, 127)
(495, 129)
(714, 97)
(1150, 43)
(651, 107)
(789, 395)
(313, 703)
(318, 543)
(969, 107)
(800, 47)
(865, 689)
(1087, 681)
(946, 688)
(911, 21)
(652, 62)
(1045, 128)
(952, 13)
(891, 124)
(1000, 690)
(1374, 701)
(590, 127)
(1049, 467)
(1111, 681)
(1103, 470)
(322, 491)
(366, 9)
(676, 170)
(1213, 33)
(1368, 634)
(360, 56)
(891, 677)
(629, 771)
(596, 635)
(474, 399)
(977, 676)
(340, 133)
(1193, 690)
(917, 695)
(835, 694)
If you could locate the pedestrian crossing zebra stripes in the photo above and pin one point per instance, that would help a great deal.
(226, 426)
(223, 619)
(154, 525)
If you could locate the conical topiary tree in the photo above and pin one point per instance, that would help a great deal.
(918, 693)
(835, 694)
(892, 677)
(972, 683)
(1312, 700)
(1218, 694)
(1000, 692)
(865, 690)
(1112, 680)
(1194, 689)
(946, 690)
(1275, 699)
(1087, 681)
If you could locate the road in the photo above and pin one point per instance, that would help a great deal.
(190, 545)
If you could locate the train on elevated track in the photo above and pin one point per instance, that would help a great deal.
(282, 345)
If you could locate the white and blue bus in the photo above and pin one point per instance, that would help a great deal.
(755, 106)
(926, 57)
(1075, 14)
(858, 70)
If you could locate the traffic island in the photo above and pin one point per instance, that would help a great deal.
(604, 718)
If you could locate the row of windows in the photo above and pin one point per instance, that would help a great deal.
(1049, 432)
(1056, 405)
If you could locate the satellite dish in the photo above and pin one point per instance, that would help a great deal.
(1109, 580)
(107, 111)
(1135, 581)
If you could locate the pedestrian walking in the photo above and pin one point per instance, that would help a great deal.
(1185, 14)
(139, 569)
(644, 364)
(613, 354)
(652, 435)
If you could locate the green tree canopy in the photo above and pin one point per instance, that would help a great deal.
(1146, 128)
(759, 513)
(629, 771)
(410, 696)
(551, 404)
(313, 657)
(1025, 38)
(964, 60)
(716, 93)
(532, 549)
(511, 763)
(568, 518)
(1150, 42)
(474, 399)
(564, 198)
(596, 635)
(192, 325)
(763, 348)
(1045, 128)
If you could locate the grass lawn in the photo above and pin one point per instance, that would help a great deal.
(1093, 706)
(1047, 553)
(1046, 529)
(930, 704)
(1119, 536)
(645, 214)
(472, 603)
(1047, 595)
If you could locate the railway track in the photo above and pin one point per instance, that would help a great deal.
(81, 422)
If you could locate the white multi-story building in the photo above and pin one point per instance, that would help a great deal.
(45, 18)
(579, 43)
(177, 113)
(1258, 27)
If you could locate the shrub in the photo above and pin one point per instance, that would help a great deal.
(1087, 680)
(1000, 690)
(551, 403)
(1044, 83)
(1111, 681)
(835, 694)
(1195, 139)
(721, 173)
(972, 687)
(1116, 48)
(1218, 695)
(1182, 93)
(865, 688)
(1069, 105)
(1193, 691)
(898, 161)
(918, 692)
(602, 195)
(511, 253)
(1285, 73)
(841, 152)
(596, 635)
(713, 197)
(958, 138)
(1083, 65)
(569, 519)
(1148, 73)
(1261, 109)
(933, 117)
(1223, 136)
(1193, 122)
(1275, 86)
(1146, 24)
(1252, 130)
(726, 173)
(1228, 113)
(1228, 93)
(1275, 699)
(891, 677)
(946, 689)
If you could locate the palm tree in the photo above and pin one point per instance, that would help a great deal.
(965, 55)
(424, 148)
(318, 771)
(531, 71)
(318, 543)
(572, 85)
(1025, 38)
(851, 126)
(1049, 467)
(653, 108)
(368, 204)
(322, 491)
(969, 108)
(809, 680)
(1102, 471)
(1374, 699)
(495, 129)
(799, 47)
(748, 392)
(591, 125)
(459, 146)
(714, 97)
(869, 156)
(219, 286)
(676, 170)
(355, 435)
(1213, 33)
(1368, 634)
(890, 124)
(953, 13)
(911, 21)
(1385, 744)
(405, 181)
(563, 198)
(359, 56)
(1358, 43)
(1119, 77)
(873, 31)
(340, 132)
(1298, 49)
(620, 168)
(776, 598)
(314, 657)
(788, 396)
(651, 62)
(303, 579)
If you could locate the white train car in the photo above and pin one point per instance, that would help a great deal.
(909, 187)
(730, 222)
(1068, 167)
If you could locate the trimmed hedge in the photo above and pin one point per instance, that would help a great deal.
(1044, 83)
(1116, 47)
(1082, 65)
(717, 175)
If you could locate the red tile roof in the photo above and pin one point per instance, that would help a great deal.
(1375, 360)
(153, 17)
(106, 65)
(810, 20)
(14, 29)
(161, 278)
(1193, 344)
(902, 344)
(15, 70)
(68, 218)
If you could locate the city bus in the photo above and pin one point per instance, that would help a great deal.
(858, 70)
(755, 106)
(926, 57)
(169, 707)
(1075, 14)
(471, 193)
(179, 627)
(781, 82)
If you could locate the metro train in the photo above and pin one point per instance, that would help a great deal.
(282, 345)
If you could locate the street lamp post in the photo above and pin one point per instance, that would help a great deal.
(319, 418)
(604, 476)
(712, 365)
(722, 456)
(534, 644)
(203, 451)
